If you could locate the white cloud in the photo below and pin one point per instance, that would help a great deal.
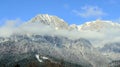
(37, 28)
(30, 28)
(117, 20)
(8, 28)
(90, 11)
(66, 6)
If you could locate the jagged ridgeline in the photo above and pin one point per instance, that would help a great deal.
(48, 41)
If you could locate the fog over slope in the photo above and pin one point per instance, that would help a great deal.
(98, 29)
(105, 31)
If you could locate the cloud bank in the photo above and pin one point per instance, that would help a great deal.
(11, 28)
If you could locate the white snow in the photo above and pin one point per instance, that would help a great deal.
(44, 57)
(38, 58)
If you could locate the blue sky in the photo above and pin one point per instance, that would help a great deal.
(72, 11)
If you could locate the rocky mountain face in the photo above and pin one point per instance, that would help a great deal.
(50, 20)
(78, 52)
(74, 51)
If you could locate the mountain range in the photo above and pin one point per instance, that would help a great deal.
(93, 44)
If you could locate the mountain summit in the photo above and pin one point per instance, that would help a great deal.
(99, 26)
(51, 20)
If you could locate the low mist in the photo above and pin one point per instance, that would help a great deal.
(14, 27)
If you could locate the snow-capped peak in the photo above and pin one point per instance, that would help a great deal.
(50, 20)
(99, 25)
(47, 17)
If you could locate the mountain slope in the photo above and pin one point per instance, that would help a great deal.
(74, 51)
(50, 20)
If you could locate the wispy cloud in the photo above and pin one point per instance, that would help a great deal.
(89, 11)
(66, 6)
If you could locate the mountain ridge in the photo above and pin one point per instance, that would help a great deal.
(59, 23)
